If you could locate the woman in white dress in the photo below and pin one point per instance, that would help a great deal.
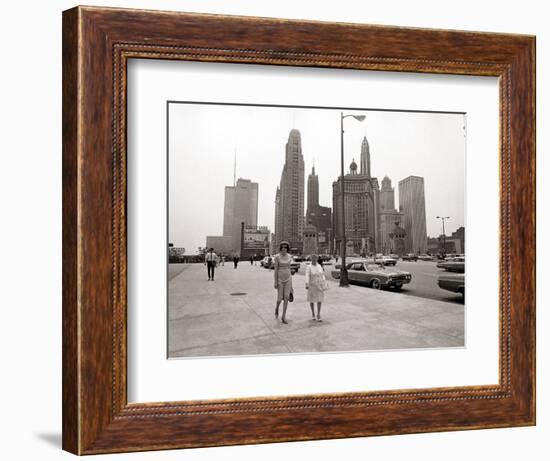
(315, 280)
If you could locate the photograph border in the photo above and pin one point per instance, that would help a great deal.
(97, 44)
(273, 106)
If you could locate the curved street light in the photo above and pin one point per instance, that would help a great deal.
(344, 282)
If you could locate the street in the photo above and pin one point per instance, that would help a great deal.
(423, 282)
(234, 315)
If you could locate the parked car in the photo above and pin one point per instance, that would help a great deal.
(326, 261)
(386, 260)
(452, 282)
(394, 256)
(445, 260)
(267, 262)
(294, 266)
(299, 258)
(453, 264)
(350, 260)
(425, 257)
(410, 257)
(374, 275)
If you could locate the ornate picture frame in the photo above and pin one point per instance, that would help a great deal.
(97, 44)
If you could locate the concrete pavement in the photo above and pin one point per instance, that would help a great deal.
(234, 315)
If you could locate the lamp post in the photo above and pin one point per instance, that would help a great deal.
(443, 218)
(343, 270)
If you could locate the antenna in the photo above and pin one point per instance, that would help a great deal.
(235, 167)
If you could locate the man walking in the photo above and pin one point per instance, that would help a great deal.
(235, 261)
(210, 260)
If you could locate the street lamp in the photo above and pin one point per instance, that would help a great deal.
(343, 271)
(443, 218)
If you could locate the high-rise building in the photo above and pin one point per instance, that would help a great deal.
(290, 209)
(387, 195)
(318, 216)
(312, 190)
(360, 212)
(412, 203)
(278, 228)
(241, 206)
(365, 158)
(389, 217)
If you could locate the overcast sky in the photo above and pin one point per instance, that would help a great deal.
(203, 139)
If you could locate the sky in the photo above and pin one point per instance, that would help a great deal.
(203, 140)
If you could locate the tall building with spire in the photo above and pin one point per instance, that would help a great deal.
(361, 194)
(312, 190)
(412, 203)
(291, 200)
(365, 158)
(317, 216)
(362, 200)
(390, 218)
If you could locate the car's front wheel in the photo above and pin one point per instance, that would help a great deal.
(375, 284)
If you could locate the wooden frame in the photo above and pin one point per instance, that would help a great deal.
(97, 43)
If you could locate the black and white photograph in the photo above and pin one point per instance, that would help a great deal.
(314, 229)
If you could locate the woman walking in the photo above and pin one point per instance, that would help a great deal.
(315, 286)
(283, 279)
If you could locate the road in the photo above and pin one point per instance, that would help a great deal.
(423, 283)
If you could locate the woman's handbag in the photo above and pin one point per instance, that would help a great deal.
(291, 296)
(324, 285)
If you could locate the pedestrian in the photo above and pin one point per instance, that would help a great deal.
(316, 285)
(210, 260)
(251, 260)
(235, 261)
(283, 279)
(223, 260)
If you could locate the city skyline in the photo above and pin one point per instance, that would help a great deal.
(401, 144)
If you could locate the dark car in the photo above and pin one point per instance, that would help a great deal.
(294, 266)
(453, 264)
(410, 257)
(386, 260)
(425, 257)
(374, 275)
(267, 262)
(452, 282)
(352, 260)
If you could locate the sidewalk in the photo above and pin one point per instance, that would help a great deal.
(234, 315)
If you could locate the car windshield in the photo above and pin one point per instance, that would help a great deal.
(375, 267)
(357, 267)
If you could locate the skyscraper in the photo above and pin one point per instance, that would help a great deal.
(241, 205)
(389, 217)
(312, 190)
(318, 216)
(412, 203)
(278, 229)
(290, 210)
(360, 209)
(365, 158)
(387, 196)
